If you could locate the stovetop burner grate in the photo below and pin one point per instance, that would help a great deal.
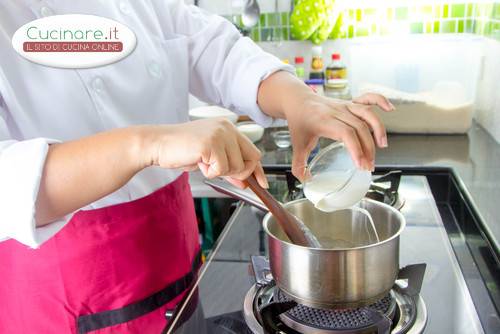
(384, 188)
(337, 319)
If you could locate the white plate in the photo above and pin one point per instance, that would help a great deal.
(252, 130)
(212, 112)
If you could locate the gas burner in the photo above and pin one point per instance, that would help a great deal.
(268, 310)
(384, 189)
(310, 320)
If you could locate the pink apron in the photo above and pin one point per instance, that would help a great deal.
(112, 270)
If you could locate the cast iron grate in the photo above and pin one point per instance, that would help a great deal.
(336, 319)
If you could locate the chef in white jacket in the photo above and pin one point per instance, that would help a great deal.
(97, 224)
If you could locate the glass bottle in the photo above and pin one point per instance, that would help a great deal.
(299, 68)
(317, 63)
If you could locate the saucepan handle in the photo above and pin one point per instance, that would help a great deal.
(227, 188)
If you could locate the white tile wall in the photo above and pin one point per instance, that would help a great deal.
(488, 92)
(228, 7)
(412, 64)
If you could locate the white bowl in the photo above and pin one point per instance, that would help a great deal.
(212, 112)
(252, 130)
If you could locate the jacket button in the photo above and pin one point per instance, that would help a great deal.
(46, 11)
(98, 84)
(154, 69)
(124, 7)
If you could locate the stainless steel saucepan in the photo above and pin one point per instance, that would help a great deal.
(351, 271)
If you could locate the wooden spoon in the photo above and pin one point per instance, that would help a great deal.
(294, 228)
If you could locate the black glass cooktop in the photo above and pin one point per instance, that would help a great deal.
(461, 284)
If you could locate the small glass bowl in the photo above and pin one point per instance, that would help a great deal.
(282, 138)
(333, 181)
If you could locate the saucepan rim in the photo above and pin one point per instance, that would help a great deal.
(267, 217)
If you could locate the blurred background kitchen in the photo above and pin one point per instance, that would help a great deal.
(437, 60)
(446, 53)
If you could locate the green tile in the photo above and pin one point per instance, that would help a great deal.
(448, 26)
(490, 10)
(352, 14)
(458, 10)
(427, 10)
(470, 9)
(254, 34)
(262, 20)
(390, 14)
(487, 28)
(362, 32)
(460, 26)
(285, 18)
(272, 19)
(495, 30)
(373, 29)
(339, 33)
(416, 27)
(469, 25)
(350, 31)
(285, 34)
(275, 32)
(496, 11)
(266, 34)
(438, 9)
(401, 13)
(445, 11)
(479, 27)
(480, 9)
(436, 27)
(484, 10)
(339, 29)
(237, 20)
(369, 12)
(359, 15)
(428, 27)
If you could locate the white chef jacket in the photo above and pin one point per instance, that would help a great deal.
(180, 49)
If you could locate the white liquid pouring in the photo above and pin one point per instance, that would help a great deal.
(337, 190)
(372, 224)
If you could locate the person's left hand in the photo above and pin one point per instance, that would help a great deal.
(311, 116)
(354, 123)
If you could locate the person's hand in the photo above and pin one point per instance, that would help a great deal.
(215, 146)
(312, 116)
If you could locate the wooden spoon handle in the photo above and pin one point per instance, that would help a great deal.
(286, 220)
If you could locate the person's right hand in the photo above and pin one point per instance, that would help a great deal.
(215, 146)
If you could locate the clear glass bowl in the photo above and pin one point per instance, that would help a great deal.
(333, 181)
(282, 139)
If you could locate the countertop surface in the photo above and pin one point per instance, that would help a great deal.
(474, 157)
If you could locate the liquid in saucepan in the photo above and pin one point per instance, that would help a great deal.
(337, 190)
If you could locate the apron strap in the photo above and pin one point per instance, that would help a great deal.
(92, 322)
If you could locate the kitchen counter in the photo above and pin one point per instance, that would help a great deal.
(475, 159)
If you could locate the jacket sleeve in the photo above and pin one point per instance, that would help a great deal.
(21, 166)
(225, 67)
